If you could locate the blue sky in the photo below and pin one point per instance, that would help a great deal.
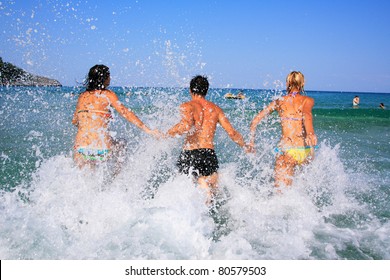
(338, 45)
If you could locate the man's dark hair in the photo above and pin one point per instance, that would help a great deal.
(199, 85)
(97, 76)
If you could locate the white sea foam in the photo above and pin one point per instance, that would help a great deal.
(50, 209)
(74, 214)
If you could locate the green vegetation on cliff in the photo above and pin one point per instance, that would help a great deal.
(11, 75)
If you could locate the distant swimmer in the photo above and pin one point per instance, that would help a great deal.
(355, 101)
(382, 106)
(93, 143)
(240, 95)
(230, 95)
(199, 119)
(298, 139)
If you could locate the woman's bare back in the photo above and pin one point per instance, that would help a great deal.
(290, 109)
(92, 116)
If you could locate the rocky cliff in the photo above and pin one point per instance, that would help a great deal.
(11, 75)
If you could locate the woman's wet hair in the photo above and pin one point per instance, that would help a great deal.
(295, 80)
(97, 77)
(199, 85)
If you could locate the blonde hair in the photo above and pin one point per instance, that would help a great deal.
(295, 80)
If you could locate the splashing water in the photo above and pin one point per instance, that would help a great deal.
(50, 209)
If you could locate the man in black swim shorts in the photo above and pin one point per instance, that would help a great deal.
(199, 162)
(199, 119)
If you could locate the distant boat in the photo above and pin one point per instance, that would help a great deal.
(230, 95)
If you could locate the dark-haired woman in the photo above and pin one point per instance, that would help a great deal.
(93, 143)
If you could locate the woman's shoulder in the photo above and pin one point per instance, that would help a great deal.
(110, 95)
(308, 99)
(107, 92)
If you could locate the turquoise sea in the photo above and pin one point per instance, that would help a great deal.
(337, 208)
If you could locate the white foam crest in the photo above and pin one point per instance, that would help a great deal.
(178, 225)
(345, 221)
(315, 218)
(150, 212)
(73, 214)
(268, 226)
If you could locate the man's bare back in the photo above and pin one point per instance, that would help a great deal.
(199, 119)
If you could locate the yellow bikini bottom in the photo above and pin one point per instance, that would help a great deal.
(297, 153)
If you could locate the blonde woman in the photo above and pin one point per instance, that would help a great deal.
(298, 139)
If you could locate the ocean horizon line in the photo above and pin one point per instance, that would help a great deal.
(211, 88)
